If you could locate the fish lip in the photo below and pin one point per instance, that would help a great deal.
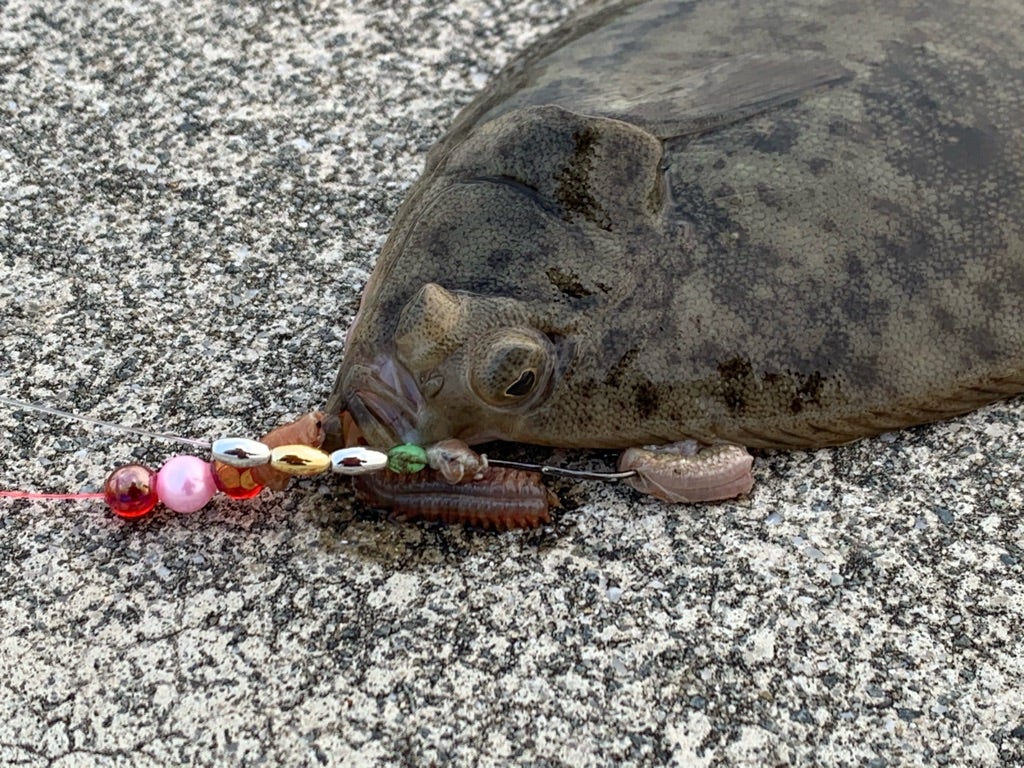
(383, 422)
(384, 402)
(334, 437)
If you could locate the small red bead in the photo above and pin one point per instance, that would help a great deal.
(130, 491)
(236, 482)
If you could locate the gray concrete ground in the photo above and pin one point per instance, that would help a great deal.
(191, 195)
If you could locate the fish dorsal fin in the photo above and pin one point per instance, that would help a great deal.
(652, 86)
(719, 94)
(591, 168)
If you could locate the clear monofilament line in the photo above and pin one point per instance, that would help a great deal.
(205, 445)
(552, 471)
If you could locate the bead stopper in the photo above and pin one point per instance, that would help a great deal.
(299, 460)
(358, 461)
(236, 482)
(240, 452)
(185, 484)
(130, 491)
(407, 459)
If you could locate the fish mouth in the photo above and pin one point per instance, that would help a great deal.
(384, 402)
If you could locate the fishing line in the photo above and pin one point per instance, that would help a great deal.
(241, 468)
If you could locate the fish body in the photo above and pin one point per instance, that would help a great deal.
(773, 223)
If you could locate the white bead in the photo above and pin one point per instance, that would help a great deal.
(241, 452)
(358, 461)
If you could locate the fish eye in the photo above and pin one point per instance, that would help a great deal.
(509, 365)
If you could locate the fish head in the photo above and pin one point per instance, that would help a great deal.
(483, 298)
(462, 366)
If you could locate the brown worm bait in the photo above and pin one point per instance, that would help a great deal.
(501, 500)
(460, 488)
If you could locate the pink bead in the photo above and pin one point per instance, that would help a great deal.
(184, 484)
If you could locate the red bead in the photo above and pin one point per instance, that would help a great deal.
(130, 491)
(236, 482)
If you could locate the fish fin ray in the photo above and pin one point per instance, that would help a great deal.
(722, 94)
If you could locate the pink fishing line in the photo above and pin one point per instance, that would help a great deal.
(48, 496)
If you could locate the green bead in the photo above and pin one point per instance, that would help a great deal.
(407, 459)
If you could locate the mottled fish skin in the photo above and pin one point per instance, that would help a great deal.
(768, 223)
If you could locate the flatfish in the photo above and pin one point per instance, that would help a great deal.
(770, 223)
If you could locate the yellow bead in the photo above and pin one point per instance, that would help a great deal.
(299, 460)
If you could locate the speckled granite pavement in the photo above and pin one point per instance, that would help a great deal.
(191, 196)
